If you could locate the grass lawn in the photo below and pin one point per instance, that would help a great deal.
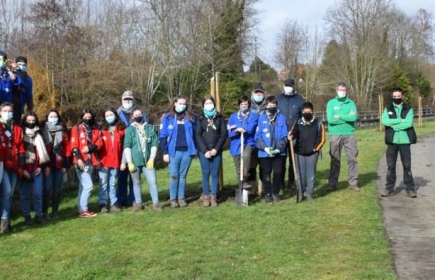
(339, 236)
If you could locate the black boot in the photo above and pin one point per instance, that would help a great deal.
(268, 198)
(45, 205)
(55, 206)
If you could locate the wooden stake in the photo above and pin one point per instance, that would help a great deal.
(212, 88)
(420, 112)
(217, 98)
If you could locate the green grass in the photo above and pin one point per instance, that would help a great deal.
(339, 236)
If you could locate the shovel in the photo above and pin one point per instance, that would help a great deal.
(241, 194)
(295, 170)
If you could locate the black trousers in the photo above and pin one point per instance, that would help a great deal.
(269, 166)
(405, 157)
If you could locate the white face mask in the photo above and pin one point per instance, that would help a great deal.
(341, 94)
(209, 107)
(127, 105)
(7, 116)
(288, 90)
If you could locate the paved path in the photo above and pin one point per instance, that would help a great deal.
(410, 223)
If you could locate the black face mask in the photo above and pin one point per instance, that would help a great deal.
(307, 116)
(272, 110)
(87, 121)
(138, 119)
(397, 101)
(30, 125)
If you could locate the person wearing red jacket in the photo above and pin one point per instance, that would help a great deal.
(112, 132)
(85, 143)
(11, 138)
(36, 158)
(56, 139)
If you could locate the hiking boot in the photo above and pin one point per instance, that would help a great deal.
(387, 193)
(276, 198)
(182, 203)
(206, 200)
(4, 226)
(411, 194)
(28, 220)
(268, 199)
(174, 203)
(136, 207)
(87, 214)
(213, 201)
(103, 208)
(40, 220)
(157, 207)
(354, 188)
(115, 208)
(331, 188)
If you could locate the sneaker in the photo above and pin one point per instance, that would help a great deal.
(174, 203)
(182, 202)
(387, 193)
(411, 194)
(28, 220)
(310, 198)
(276, 198)
(87, 214)
(115, 208)
(157, 207)
(137, 207)
(40, 220)
(4, 226)
(206, 200)
(268, 199)
(213, 201)
(331, 188)
(103, 208)
(354, 188)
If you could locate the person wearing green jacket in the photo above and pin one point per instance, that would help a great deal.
(140, 150)
(341, 115)
(399, 135)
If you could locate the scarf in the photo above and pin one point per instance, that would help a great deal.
(304, 122)
(58, 137)
(141, 137)
(33, 139)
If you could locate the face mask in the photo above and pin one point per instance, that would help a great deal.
(244, 109)
(7, 116)
(397, 101)
(110, 119)
(209, 107)
(258, 98)
(138, 119)
(180, 108)
(127, 106)
(53, 121)
(341, 94)
(30, 125)
(272, 110)
(22, 67)
(307, 116)
(209, 113)
(288, 90)
(2, 64)
(87, 121)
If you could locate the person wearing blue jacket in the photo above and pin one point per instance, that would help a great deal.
(289, 104)
(177, 142)
(8, 79)
(23, 94)
(271, 141)
(243, 121)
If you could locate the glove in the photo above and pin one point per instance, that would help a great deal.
(275, 152)
(131, 167)
(269, 151)
(150, 164)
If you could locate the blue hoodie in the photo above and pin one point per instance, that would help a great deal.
(248, 123)
(168, 134)
(6, 84)
(271, 134)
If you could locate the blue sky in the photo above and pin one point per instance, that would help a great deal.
(273, 14)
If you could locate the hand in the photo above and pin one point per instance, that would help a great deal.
(80, 164)
(84, 150)
(290, 136)
(9, 165)
(336, 116)
(37, 171)
(166, 158)
(275, 152)
(213, 152)
(123, 166)
(131, 167)
(12, 75)
(268, 152)
(207, 154)
(150, 164)
(240, 130)
(26, 175)
(47, 171)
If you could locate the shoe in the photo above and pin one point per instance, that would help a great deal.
(268, 199)
(103, 208)
(310, 198)
(411, 194)
(174, 203)
(46, 217)
(157, 207)
(213, 201)
(137, 207)
(87, 214)
(40, 220)
(28, 220)
(275, 197)
(354, 188)
(246, 186)
(55, 216)
(4, 226)
(206, 200)
(387, 193)
(114, 208)
(182, 202)
(331, 188)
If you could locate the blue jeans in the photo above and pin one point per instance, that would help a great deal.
(150, 176)
(121, 191)
(53, 182)
(179, 165)
(107, 177)
(8, 186)
(85, 188)
(37, 183)
(210, 167)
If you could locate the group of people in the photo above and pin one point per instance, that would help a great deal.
(123, 145)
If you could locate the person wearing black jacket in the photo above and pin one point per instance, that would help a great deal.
(309, 134)
(210, 137)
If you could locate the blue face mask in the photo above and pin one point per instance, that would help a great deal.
(209, 113)
(2, 64)
(244, 109)
(180, 108)
(53, 121)
(22, 67)
(258, 98)
(110, 119)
